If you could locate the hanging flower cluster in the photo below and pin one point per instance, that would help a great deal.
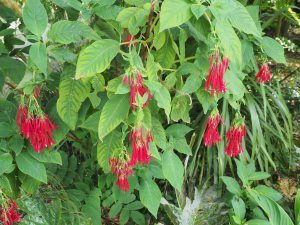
(212, 135)
(9, 213)
(215, 79)
(139, 137)
(234, 138)
(140, 146)
(122, 169)
(263, 74)
(38, 129)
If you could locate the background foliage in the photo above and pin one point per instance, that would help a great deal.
(76, 52)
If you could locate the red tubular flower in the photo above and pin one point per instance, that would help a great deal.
(137, 87)
(140, 146)
(211, 135)
(9, 214)
(234, 139)
(215, 79)
(263, 74)
(122, 170)
(37, 129)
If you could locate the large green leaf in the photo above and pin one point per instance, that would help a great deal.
(181, 105)
(35, 17)
(274, 211)
(150, 195)
(12, 68)
(105, 149)
(66, 32)
(174, 13)
(46, 156)
(6, 130)
(229, 42)
(162, 96)
(71, 95)
(92, 122)
(273, 49)
(159, 134)
(92, 207)
(5, 163)
(113, 113)
(30, 166)
(38, 54)
(132, 18)
(96, 58)
(232, 185)
(172, 169)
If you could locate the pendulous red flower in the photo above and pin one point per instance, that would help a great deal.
(215, 79)
(263, 74)
(140, 146)
(234, 139)
(211, 135)
(122, 170)
(137, 88)
(9, 214)
(38, 129)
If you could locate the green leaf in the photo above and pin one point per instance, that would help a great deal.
(115, 209)
(162, 96)
(234, 85)
(259, 176)
(168, 17)
(182, 146)
(113, 113)
(107, 12)
(46, 156)
(38, 54)
(133, 18)
(71, 95)
(92, 207)
(35, 17)
(96, 58)
(269, 192)
(111, 144)
(181, 105)
(165, 56)
(274, 211)
(150, 196)
(172, 169)
(198, 10)
(6, 130)
(124, 216)
(92, 122)
(232, 185)
(192, 83)
(66, 32)
(205, 99)
(241, 19)
(239, 207)
(229, 42)
(12, 68)
(16, 143)
(178, 130)
(5, 186)
(159, 134)
(5, 163)
(297, 207)
(154, 151)
(30, 166)
(137, 217)
(257, 222)
(273, 49)
(242, 171)
(63, 55)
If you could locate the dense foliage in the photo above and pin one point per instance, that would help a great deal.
(139, 112)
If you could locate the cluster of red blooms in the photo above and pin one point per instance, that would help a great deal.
(137, 88)
(122, 170)
(9, 214)
(263, 74)
(140, 146)
(211, 135)
(38, 129)
(215, 79)
(234, 139)
(234, 135)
